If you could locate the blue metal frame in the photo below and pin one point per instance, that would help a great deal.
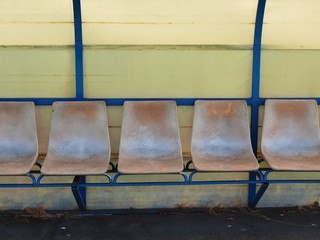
(79, 184)
(78, 49)
(255, 93)
(255, 103)
(79, 192)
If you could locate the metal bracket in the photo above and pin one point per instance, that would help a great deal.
(254, 195)
(79, 192)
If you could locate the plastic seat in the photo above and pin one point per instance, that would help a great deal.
(150, 139)
(18, 138)
(290, 136)
(221, 137)
(79, 139)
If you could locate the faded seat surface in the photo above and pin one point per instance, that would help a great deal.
(79, 139)
(150, 139)
(290, 136)
(221, 137)
(18, 138)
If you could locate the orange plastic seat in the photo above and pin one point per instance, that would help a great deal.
(79, 139)
(18, 138)
(221, 137)
(150, 139)
(290, 136)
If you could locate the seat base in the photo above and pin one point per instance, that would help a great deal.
(20, 166)
(69, 166)
(225, 164)
(293, 163)
(138, 166)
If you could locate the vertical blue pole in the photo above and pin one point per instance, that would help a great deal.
(78, 49)
(255, 93)
(79, 192)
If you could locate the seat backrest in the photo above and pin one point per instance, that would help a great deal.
(150, 129)
(290, 126)
(79, 130)
(220, 127)
(18, 133)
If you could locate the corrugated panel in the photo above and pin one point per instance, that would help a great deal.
(162, 73)
(36, 22)
(292, 24)
(290, 73)
(168, 22)
(36, 72)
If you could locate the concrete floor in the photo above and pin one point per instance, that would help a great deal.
(294, 223)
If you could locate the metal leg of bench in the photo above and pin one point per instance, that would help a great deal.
(79, 193)
(253, 202)
(254, 195)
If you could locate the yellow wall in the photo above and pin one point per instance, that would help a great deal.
(150, 48)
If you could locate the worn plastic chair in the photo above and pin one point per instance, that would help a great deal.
(290, 136)
(18, 138)
(150, 140)
(221, 137)
(79, 139)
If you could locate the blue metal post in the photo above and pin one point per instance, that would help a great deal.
(254, 201)
(78, 49)
(79, 192)
(255, 93)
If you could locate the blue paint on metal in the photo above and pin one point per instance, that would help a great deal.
(115, 101)
(179, 101)
(33, 179)
(252, 203)
(255, 93)
(79, 192)
(254, 196)
(108, 177)
(188, 165)
(118, 175)
(78, 49)
(37, 101)
(120, 101)
(252, 188)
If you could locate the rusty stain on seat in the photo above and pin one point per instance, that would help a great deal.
(221, 137)
(79, 139)
(290, 136)
(150, 139)
(18, 138)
